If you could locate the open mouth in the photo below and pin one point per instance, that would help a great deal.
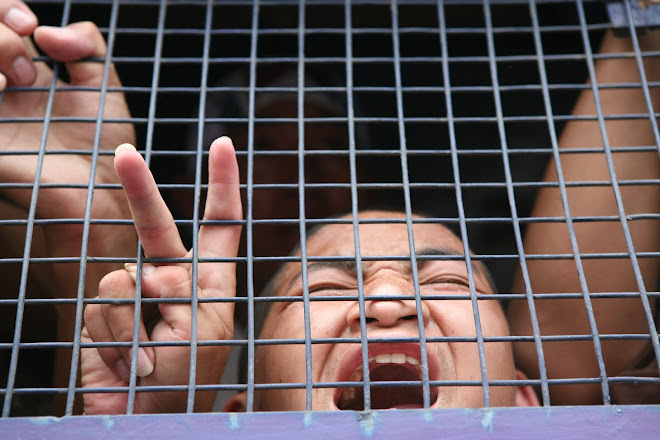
(387, 367)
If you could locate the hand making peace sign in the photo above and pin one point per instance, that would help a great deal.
(110, 367)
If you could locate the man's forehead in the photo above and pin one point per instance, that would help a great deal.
(387, 236)
(380, 238)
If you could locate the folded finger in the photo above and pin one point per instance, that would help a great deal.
(169, 282)
(18, 17)
(120, 319)
(75, 42)
(97, 329)
(153, 221)
(223, 202)
(15, 61)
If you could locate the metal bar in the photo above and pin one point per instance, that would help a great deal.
(461, 209)
(350, 112)
(555, 146)
(20, 306)
(514, 423)
(603, 131)
(426, 390)
(248, 214)
(75, 356)
(653, 331)
(196, 201)
(301, 204)
(158, 50)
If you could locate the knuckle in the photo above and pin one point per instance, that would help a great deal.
(92, 313)
(123, 333)
(112, 283)
(11, 47)
(88, 26)
(153, 233)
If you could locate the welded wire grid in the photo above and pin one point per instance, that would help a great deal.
(451, 108)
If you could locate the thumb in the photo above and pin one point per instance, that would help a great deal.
(73, 43)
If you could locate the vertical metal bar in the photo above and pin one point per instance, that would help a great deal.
(653, 332)
(459, 202)
(198, 193)
(606, 146)
(248, 214)
(350, 109)
(426, 390)
(75, 356)
(29, 228)
(642, 75)
(301, 203)
(509, 189)
(155, 79)
(538, 44)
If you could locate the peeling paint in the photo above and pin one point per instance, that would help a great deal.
(44, 421)
(233, 421)
(367, 422)
(308, 419)
(487, 420)
(428, 415)
(109, 422)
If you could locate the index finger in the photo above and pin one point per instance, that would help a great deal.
(223, 202)
(153, 221)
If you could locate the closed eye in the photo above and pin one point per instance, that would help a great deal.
(327, 289)
(453, 281)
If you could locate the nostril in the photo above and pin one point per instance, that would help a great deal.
(409, 317)
(368, 320)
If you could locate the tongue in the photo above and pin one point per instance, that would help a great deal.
(399, 397)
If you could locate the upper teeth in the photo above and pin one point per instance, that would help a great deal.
(393, 358)
(386, 358)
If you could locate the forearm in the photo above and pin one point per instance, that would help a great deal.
(577, 359)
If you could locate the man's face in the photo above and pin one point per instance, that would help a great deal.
(388, 361)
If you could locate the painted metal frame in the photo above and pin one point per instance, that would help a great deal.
(583, 422)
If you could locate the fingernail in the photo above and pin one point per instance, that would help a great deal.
(124, 147)
(148, 269)
(23, 71)
(144, 365)
(123, 370)
(3, 82)
(131, 268)
(19, 20)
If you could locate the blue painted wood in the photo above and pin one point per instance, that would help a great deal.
(582, 422)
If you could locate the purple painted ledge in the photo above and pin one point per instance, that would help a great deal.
(580, 422)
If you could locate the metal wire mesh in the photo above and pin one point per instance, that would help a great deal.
(450, 108)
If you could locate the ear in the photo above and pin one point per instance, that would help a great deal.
(525, 395)
(237, 403)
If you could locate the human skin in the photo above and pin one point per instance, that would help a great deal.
(385, 318)
(60, 280)
(109, 367)
(577, 359)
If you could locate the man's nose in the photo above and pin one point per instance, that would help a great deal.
(383, 309)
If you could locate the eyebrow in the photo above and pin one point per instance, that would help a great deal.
(443, 251)
(350, 267)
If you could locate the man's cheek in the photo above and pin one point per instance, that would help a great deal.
(328, 319)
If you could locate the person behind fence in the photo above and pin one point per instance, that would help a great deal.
(285, 363)
(382, 277)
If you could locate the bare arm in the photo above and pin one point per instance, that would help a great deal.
(577, 359)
